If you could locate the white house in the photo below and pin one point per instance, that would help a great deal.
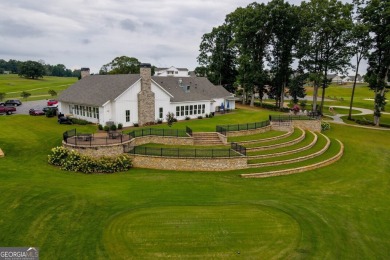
(141, 98)
(171, 72)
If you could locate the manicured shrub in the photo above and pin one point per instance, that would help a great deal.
(106, 128)
(74, 161)
(80, 121)
(200, 117)
(100, 127)
(136, 124)
(159, 121)
(325, 126)
(120, 126)
(187, 118)
(207, 115)
(113, 127)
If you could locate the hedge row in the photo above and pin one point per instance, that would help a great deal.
(74, 161)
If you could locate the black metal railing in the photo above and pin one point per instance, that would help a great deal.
(188, 131)
(238, 148)
(289, 118)
(222, 129)
(88, 139)
(68, 134)
(182, 153)
(158, 132)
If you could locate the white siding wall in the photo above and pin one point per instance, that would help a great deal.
(127, 101)
(162, 100)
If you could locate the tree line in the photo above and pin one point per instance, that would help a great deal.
(36, 69)
(275, 48)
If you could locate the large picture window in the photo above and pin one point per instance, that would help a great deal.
(177, 111)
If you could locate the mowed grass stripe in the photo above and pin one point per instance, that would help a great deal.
(257, 137)
(309, 138)
(295, 135)
(333, 149)
(318, 146)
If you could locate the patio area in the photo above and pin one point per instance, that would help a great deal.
(96, 139)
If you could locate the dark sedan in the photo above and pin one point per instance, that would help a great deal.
(36, 112)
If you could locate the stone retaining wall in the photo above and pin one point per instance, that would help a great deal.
(97, 151)
(312, 125)
(273, 146)
(189, 164)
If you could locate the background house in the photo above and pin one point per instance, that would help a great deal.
(172, 72)
(141, 98)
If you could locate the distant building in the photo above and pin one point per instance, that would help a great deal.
(171, 72)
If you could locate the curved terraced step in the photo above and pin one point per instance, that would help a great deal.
(269, 155)
(292, 160)
(273, 146)
(317, 165)
(267, 139)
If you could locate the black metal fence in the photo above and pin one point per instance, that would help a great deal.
(159, 132)
(222, 129)
(188, 131)
(289, 118)
(238, 148)
(182, 153)
(68, 134)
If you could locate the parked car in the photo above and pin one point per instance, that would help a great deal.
(13, 102)
(7, 110)
(45, 109)
(36, 112)
(65, 120)
(52, 102)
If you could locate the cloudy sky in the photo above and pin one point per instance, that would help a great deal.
(90, 33)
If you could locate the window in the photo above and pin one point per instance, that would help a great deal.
(82, 111)
(160, 112)
(77, 110)
(186, 110)
(203, 108)
(182, 110)
(195, 109)
(177, 111)
(199, 110)
(89, 111)
(96, 112)
(191, 109)
(127, 115)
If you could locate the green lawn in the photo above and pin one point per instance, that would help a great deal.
(341, 211)
(13, 85)
(340, 95)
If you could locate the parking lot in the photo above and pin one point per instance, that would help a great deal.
(27, 105)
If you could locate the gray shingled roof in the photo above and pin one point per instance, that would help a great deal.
(96, 90)
(200, 88)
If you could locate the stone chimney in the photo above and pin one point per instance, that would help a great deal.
(146, 98)
(85, 72)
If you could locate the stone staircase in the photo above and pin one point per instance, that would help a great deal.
(206, 138)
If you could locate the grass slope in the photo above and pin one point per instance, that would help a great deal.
(13, 85)
(337, 212)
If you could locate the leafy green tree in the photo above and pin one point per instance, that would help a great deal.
(121, 65)
(251, 36)
(361, 44)
(25, 94)
(286, 26)
(323, 45)
(296, 86)
(376, 15)
(217, 57)
(52, 92)
(31, 69)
